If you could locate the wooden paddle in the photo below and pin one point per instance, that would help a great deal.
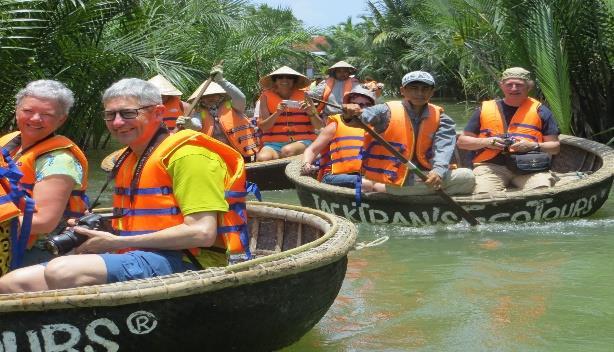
(200, 94)
(455, 206)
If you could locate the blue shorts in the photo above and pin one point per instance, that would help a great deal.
(143, 264)
(342, 180)
(276, 146)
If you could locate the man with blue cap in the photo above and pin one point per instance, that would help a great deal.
(421, 132)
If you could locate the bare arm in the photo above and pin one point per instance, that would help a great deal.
(324, 138)
(51, 197)
(550, 145)
(266, 120)
(312, 112)
(470, 141)
(198, 230)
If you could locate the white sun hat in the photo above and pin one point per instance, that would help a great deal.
(165, 87)
(301, 81)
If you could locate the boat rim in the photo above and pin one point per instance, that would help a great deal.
(604, 152)
(338, 239)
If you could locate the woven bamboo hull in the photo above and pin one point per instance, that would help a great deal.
(576, 199)
(259, 305)
(263, 316)
(269, 175)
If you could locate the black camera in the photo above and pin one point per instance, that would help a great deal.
(68, 239)
(508, 140)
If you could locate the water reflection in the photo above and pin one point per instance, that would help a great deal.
(496, 287)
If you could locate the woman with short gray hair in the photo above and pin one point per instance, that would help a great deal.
(54, 168)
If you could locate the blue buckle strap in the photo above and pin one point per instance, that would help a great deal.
(254, 189)
(5, 199)
(27, 186)
(358, 190)
(123, 191)
(382, 157)
(340, 160)
(348, 138)
(533, 127)
(523, 135)
(143, 212)
(19, 245)
(390, 173)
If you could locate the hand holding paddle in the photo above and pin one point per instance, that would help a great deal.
(460, 211)
(202, 91)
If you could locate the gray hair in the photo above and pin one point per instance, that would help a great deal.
(145, 92)
(48, 89)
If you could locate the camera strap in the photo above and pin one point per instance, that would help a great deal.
(15, 143)
(160, 135)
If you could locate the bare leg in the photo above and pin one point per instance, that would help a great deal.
(266, 154)
(292, 149)
(26, 279)
(76, 270)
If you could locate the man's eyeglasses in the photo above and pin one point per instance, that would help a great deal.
(126, 114)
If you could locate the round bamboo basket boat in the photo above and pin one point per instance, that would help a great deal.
(585, 169)
(259, 305)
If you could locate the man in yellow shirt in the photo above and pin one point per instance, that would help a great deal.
(160, 215)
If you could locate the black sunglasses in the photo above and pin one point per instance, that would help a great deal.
(284, 76)
(126, 114)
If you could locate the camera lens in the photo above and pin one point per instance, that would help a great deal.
(64, 242)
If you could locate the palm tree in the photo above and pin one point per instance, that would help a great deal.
(89, 44)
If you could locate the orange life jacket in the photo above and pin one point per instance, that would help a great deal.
(343, 153)
(173, 108)
(78, 201)
(525, 124)
(8, 214)
(154, 206)
(8, 209)
(348, 84)
(293, 124)
(240, 133)
(380, 165)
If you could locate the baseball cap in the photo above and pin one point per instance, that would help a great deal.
(418, 76)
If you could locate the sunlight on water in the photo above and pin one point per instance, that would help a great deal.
(496, 287)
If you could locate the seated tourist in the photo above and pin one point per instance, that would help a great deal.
(516, 124)
(421, 132)
(340, 146)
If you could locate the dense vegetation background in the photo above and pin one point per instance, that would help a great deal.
(88, 44)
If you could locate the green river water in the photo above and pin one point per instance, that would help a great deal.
(499, 287)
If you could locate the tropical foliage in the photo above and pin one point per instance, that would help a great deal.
(567, 44)
(88, 44)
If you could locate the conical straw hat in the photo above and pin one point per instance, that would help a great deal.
(165, 87)
(109, 161)
(266, 82)
(213, 88)
(341, 64)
